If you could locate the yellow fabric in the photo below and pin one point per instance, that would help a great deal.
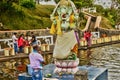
(53, 29)
(59, 31)
(56, 29)
(71, 18)
(75, 49)
(72, 23)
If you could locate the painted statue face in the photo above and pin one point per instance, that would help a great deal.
(64, 11)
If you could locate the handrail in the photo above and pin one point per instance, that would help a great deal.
(88, 14)
(98, 20)
(102, 40)
(48, 39)
(87, 24)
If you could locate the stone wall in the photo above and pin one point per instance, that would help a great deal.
(38, 32)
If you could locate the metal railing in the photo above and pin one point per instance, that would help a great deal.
(101, 40)
(48, 39)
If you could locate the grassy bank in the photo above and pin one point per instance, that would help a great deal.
(19, 17)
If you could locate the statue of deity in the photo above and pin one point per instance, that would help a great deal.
(64, 21)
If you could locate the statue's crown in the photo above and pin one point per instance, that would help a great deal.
(65, 3)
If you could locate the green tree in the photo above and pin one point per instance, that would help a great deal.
(116, 15)
(83, 3)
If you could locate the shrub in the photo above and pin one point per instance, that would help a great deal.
(4, 6)
(28, 4)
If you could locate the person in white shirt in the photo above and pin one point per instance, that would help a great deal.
(14, 38)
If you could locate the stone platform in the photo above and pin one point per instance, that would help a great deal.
(94, 73)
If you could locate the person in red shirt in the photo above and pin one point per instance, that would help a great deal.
(87, 36)
(21, 43)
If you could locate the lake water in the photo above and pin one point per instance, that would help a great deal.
(108, 57)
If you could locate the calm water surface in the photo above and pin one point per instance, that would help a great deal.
(108, 57)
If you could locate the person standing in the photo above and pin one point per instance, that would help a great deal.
(21, 43)
(36, 61)
(89, 38)
(26, 42)
(34, 40)
(86, 36)
(14, 39)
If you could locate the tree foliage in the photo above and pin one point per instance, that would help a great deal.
(83, 3)
(5, 6)
(10, 1)
(27, 3)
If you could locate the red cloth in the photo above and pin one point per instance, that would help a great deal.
(20, 42)
(87, 35)
(26, 43)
